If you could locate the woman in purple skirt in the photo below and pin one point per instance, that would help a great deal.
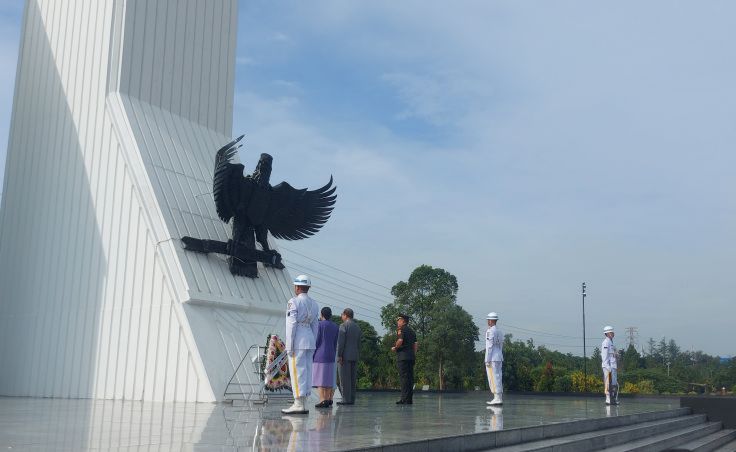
(323, 368)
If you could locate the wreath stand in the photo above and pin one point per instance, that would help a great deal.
(247, 384)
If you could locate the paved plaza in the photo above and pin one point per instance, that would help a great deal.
(77, 425)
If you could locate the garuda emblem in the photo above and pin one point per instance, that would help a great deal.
(256, 208)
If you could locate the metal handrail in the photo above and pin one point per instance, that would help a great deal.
(257, 393)
(241, 363)
(257, 370)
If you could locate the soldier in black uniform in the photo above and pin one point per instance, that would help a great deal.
(405, 348)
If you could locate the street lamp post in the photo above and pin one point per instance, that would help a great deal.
(585, 358)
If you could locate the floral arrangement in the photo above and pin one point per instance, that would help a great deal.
(275, 367)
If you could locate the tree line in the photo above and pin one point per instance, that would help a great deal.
(447, 359)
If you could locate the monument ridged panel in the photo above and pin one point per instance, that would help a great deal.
(119, 107)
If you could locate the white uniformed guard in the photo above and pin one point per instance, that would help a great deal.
(302, 317)
(609, 364)
(494, 359)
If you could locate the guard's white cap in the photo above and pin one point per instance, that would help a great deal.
(302, 280)
(492, 316)
(607, 329)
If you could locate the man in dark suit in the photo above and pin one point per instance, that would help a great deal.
(405, 348)
(348, 349)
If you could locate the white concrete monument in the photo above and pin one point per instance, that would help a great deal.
(119, 107)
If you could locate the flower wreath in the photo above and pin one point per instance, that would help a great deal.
(275, 352)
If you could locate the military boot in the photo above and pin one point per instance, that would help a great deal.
(297, 407)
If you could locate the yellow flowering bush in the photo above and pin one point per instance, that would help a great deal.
(594, 384)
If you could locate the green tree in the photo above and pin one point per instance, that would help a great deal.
(662, 351)
(479, 377)
(660, 381)
(631, 358)
(563, 383)
(450, 343)
(596, 355)
(546, 380)
(646, 387)
(651, 346)
(673, 351)
(519, 359)
(417, 297)
(594, 363)
(388, 375)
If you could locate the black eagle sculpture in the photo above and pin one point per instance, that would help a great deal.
(256, 208)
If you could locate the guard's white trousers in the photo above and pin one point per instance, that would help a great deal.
(494, 372)
(609, 378)
(300, 372)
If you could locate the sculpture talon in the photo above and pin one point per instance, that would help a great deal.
(257, 208)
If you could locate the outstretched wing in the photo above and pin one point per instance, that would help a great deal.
(225, 183)
(296, 214)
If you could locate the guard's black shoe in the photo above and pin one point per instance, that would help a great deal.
(400, 402)
(329, 402)
(322, 404)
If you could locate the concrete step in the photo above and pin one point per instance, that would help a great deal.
(728, 447)
(560, 429)
(524, 435)
(708, 443)
(607, 437)
(664, 441)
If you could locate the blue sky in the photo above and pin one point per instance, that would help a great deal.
(524, 147)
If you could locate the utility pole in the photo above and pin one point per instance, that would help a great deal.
(667, 356)
(585, 358)
(632, 333)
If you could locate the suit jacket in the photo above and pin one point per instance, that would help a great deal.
(348, 341)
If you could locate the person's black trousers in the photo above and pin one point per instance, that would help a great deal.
(348, 380)
(406, 377)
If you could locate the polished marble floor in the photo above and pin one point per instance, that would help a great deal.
(79, 425)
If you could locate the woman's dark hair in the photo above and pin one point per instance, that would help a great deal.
(326, 313)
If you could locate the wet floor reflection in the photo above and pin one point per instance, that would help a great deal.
(496, 418)
(54, 424)
(611, 410)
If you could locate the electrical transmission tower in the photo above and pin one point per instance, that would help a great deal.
(632, 336)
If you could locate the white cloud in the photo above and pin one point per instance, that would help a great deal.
(287, 85)
(281, 37)
(242, 60)
(422, 95)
